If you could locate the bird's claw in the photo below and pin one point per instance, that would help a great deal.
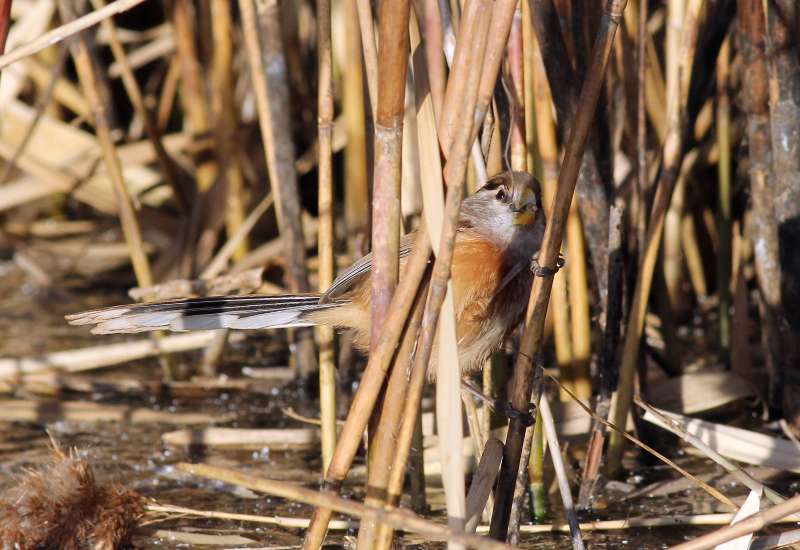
(525, 417)
(542, 271)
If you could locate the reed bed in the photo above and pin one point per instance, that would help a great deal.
(184, 148)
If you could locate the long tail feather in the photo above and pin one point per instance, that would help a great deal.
(237, 312)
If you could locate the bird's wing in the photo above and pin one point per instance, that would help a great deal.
(237, 312)
(352, 274)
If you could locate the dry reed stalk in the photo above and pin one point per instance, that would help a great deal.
(371, 382)
(723, 135)
(355, 155)
(220, 261)
(519, 161)
(639, 199)
(390, 515)
(448, 395)
(536, 107)
(655, 100)
(519, 146)
(528, 72)
(748, 525)
(388, 163)
(344, 525)
(477, 173)
(370, 52)
(280, 521)
(548, 151)
(536, 471)
(531, 340)
(592, 191)
(672, 156)
(383, 441)
(392, 66)
(130, 225)
(502, 17)
(440, 310)
(169, 91)
(480, 491)
(272, 102)
(159, 47)
(165, 162)
(224, 111)
(193, 93)
(607, 370)
(327, 358)
(522, 482)
(784, 74)
(304, 439)
(763, 230)
(434, 54)
(447, 120)
(66, 30)
(42, 411)
(693, 256)
(578, 278)
(81, 359)
(634, 15)
(673, 301)
(54, 75)
(561, 474)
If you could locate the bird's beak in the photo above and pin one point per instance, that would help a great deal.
(523, 216)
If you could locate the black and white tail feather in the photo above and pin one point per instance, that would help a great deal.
(235, 312)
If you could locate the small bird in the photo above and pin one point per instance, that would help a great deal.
(500, 231)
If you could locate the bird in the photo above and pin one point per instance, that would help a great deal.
(500, 230)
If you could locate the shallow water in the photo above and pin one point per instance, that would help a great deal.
(133, 454)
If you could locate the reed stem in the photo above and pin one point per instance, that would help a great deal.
(327, 360)
(272, 102)
(530, 343)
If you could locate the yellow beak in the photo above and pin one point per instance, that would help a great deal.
(523, 216)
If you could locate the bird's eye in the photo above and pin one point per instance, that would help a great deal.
(501, 195)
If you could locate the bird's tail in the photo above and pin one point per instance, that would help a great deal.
(236, 312)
